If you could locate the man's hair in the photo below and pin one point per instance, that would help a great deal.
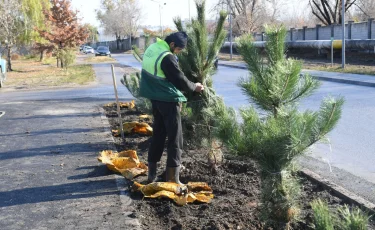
(179, 38)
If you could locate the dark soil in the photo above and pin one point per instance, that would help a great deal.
(236, 186)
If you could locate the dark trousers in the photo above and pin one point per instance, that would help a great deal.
(167, 122)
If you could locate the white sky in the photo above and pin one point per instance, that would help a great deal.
(172, 9)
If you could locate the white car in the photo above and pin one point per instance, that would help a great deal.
(88, 50)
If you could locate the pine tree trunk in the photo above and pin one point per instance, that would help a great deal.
(9, 60)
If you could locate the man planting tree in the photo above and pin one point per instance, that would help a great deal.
(162, 82)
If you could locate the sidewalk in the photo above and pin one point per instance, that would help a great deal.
(346, 78)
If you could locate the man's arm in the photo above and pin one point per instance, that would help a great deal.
(170, 68)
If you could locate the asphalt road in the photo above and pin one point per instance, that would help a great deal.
(351, 143)
(350, 156)
(49, 175)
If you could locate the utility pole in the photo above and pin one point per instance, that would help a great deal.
(343, 34)
(189, 10)
(130, 37)
(161, 25)
(230, 32)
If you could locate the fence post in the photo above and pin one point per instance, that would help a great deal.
(350, 25)
(332, 30)
(304, 33)
(317, 31)
(291, 34)
(262, 36)
(369, 28)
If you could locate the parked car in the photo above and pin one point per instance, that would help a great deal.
(88, 50)
(102, 51)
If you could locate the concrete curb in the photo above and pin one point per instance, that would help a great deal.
(344, 81)
(122, 184)
(339, 191)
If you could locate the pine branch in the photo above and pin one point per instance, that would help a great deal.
(137, 53)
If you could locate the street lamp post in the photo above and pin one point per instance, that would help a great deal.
(230, 30)
(130, 37)
(189, 10)
(161, 26)
(343, 34)
(131, 31)
(230, 35)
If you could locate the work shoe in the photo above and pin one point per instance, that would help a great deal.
(152, 167)
(161, 177)
(173, 175)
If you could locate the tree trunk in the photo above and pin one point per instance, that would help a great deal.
(118, 43)
(57, 62)
(41, 55)
(62, 64)
(9, 69)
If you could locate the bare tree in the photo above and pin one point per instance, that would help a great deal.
(297, 18)
(120, 17)
(365, 9)
(250, 15)
(11, 25)
(329, 11)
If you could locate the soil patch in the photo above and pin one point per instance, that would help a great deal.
(236, 186)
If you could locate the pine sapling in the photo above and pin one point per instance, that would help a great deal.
(274, 132)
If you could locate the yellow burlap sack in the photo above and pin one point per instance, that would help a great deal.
(134, 127)
(180, 194)
(129, 105)
(125, 162)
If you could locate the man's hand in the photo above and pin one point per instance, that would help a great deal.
(199, 87)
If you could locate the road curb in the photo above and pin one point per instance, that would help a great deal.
(344, 81)
(339, 191)
(122, 184)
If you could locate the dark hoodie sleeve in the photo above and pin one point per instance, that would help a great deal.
(170, 68)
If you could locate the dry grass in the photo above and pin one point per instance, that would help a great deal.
(357, 69)
(29, 74)
(226, 57)
(99, 59)
(321, 66)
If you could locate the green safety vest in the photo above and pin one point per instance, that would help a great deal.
(154, 85)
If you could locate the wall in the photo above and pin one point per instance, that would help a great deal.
(357, 30)
(124, 44)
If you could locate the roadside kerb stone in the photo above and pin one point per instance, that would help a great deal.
(122, 183)
(339, 191)
(322, 78)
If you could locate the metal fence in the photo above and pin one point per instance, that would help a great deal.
(122, 45)
(361, 30)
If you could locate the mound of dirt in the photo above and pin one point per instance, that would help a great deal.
(235, 183)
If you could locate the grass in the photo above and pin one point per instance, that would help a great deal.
(354, 219)
(356, 69)
(99, 59)
(226, 57)
(29, 73)
(323, 219)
